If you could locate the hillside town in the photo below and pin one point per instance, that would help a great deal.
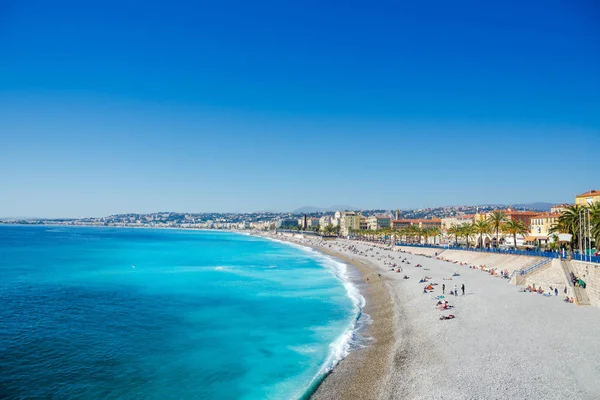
(565, 226)
(468, 226)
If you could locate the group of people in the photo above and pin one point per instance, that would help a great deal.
(577, 282)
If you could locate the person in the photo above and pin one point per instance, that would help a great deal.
(463, 289)
(556, 291)
(565, 290)
(443, 288)
(455, 290)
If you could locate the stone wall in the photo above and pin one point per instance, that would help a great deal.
(490, 260)
(590, 273)
(550, 275)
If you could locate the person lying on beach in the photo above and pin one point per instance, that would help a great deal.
(406, 277)
(455, 274)
(451, 316)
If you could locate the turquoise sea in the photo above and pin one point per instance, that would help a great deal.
(108, 313)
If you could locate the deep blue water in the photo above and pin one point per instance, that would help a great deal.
(99, 313)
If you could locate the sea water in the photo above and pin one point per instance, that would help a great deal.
(109, 313)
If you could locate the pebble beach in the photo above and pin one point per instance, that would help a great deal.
(502, 342)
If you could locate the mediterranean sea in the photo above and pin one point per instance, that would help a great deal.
(116, 313)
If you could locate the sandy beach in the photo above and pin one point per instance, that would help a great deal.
(502, 343)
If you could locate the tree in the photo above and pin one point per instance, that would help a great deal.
(482, 227)
(454, 231)
(434, 232)
(467, 231)
(515, 228)
(595, 221)
(569, 222)
(496, 219)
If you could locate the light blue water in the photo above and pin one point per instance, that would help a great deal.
(99, 313)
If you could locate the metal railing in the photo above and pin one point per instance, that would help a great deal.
(532, 253)
(535, 266)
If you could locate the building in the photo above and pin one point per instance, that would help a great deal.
(349, 220)
(421, 223)
(400, 223)
(325, 221)
(515, 215)
(378, 222)
(287, 223)
(523, 216)
(364, 223)
(430, 223)
(312, 222)
(456, 221)
(540, 227)
(559, 208)
(588, 198)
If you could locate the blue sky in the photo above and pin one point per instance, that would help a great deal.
(140, 106)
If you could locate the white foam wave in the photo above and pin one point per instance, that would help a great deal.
(341, 347)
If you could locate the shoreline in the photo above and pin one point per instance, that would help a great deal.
(359, 374)
(502, 343)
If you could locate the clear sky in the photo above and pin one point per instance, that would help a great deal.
(139, 106)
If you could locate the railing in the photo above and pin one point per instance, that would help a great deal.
(586, 258)
(546, 254)
(535, 266)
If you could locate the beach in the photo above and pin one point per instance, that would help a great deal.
(502, 343)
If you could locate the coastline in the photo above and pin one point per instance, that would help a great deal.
(359, 374)
(502, 344)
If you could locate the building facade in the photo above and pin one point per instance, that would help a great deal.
(349, 220)
(540, 228)
(588, 198)
(378, 222)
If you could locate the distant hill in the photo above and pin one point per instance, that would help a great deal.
(535, 206)
(312, 209)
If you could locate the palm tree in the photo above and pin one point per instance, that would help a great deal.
(434, 232)
(482, 227)
(496, 219)
(467, 230)
(454, 231)
(515, 228)
(569, 222)
(595, 221)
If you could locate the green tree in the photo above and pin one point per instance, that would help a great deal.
(454, 231)
(496, 219)
(434, 232)
(595, 222)
(481, 227)
(569, 222)
(466, 230)
(514, 228)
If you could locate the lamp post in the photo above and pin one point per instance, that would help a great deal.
(585, 234)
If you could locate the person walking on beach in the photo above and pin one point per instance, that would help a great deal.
(443, 288)
(463, 289)
(455, 291)
(556, 291)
